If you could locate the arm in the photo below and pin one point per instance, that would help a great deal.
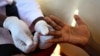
(2, 18)
(29, 10)
(30, 13)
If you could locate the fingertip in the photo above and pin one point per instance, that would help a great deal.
(78, 20)
(46, 17)
(76, 17)
(51, 16)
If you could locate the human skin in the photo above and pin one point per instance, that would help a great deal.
(67, 34)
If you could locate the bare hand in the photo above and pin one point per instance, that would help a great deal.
(68, 34)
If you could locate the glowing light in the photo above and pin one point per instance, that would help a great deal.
(76, 12)
(73, 21)
(56, 52)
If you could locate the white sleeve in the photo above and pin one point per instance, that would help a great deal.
(28, 10)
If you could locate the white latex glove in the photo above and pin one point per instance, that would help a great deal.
(43, 28)
(22, 37)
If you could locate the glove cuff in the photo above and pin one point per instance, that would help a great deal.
(34, 22)
(41, 27)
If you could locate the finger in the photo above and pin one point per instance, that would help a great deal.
(59, 40)
(20, 45)
(27, 42)
(78, 20)
(52, 23)
(55, 33)
(57, 20)
(35, 38)
(25, 39)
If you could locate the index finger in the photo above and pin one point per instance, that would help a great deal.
(52, 23)
(55, 33)
(57, 20)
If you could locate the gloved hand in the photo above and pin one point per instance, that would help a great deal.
(22, 37)
(43, 28)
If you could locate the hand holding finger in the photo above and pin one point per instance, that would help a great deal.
(52, 23)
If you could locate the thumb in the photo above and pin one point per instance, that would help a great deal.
(78, 20)
(35, 38)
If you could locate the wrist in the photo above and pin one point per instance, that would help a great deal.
(2, 19)
(34, 23)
